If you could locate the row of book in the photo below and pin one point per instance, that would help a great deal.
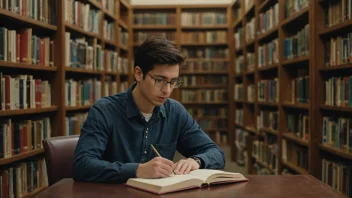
(294, 154)
(44, 11)
(17, 137)
(207, 52)
(109, 30)
(205, 66)
(155, 18)
(338, 175)
(298, 125)
(140, 37)
(250, 30)
(239, 65)
(123, 36)
(300, 88)
(203, 18)
(24, 92)
(219, 137)
(22, 46)
(109, 5)
(268, 120)
(193, 81)
(238, 91)
(24, 177)
(73, 123)
(265, 151)
(337, 132)
(268, 53)
(298, 44)
(205, 123)
(293, 6)
(239, 116)
(268, 20)
(338, 91)
(250, 65)
(251, 93)
(268, 90)
(238, 38)
(82, 92)
(208, 112)
(337, 12)
(82, 15)
(219, 36)
(248, 5)
(204, 95)
(338, 50)
(240, 144)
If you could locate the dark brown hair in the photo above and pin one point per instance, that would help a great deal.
(157, 51)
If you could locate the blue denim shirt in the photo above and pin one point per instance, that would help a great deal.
(115, 138)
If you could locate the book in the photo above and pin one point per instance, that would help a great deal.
(195, 179)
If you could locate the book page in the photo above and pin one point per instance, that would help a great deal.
(162, 182)
(204, 174)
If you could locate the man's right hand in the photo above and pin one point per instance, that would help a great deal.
(158, 167)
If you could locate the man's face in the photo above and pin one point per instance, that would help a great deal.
(150, 86)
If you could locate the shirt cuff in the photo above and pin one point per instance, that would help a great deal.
(202, 158)
(129, 170)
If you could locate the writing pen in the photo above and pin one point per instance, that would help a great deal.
(158, 154)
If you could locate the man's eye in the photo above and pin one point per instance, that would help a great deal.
(159, 80)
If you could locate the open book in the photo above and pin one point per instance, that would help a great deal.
(195, 179)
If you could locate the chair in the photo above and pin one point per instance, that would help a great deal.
(59, 153)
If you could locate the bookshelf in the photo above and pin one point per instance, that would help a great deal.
(170, 21)
(46, 50)
(301, 126)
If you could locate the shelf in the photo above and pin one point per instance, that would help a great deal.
(296, 168)
(154, 27)
(296, 106)
(27, 66)
(336, 108)
(298, 140)
(205, 103)
(123, 24)
(335, 28)
(204, 87)
(110, 73)
(336, 151)
(203, 72)
(249, 102)
(250, 43)
(249, 129)
(80, 30)
(252, 72)
(238, 101)
(268, 68)
(124, 47)
(204, 44)
(111, 43)
(297, 60)
(36, 191)
(205, 27)
(249, 10)
(27, 20)
(270, 131)
(262, 164)
(238, 50)
(21, 156)
(125, 3)
(95, 4)
(337, 67)
(238, 22)
(295, 16)
(77, 108)
(265, 5)
(267, 34)
(109, 14)
(28, 111)
(83, 71)
(269, 104)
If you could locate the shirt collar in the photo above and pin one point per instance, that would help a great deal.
(132, 109)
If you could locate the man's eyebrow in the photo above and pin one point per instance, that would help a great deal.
(163, 77)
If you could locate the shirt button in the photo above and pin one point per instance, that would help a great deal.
(145, 152)
(146, 136)
(146, 131)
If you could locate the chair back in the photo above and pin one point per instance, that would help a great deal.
(59, 153)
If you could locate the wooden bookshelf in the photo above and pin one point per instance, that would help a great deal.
(58, 72)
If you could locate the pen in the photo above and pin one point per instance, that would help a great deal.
(157, 153)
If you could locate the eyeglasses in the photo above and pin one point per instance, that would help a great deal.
(175, 83)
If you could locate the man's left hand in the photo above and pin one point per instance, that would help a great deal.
(184, 166)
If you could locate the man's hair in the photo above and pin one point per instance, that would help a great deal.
(157, 51)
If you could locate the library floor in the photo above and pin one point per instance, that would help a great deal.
(230, 165)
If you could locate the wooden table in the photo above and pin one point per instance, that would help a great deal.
(258, 186)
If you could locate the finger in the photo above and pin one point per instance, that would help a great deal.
(168, 162)
(184, 167)
(188, 169)
(162, 173)
(165, 167)
(178, 166)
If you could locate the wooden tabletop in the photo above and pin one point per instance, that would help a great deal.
(258, 186)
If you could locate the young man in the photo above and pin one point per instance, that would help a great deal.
(115, 141)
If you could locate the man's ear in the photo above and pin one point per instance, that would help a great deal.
(138, 74)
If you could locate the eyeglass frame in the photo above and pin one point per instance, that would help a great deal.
(172, 81)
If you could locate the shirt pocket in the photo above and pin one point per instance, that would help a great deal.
(166, 150)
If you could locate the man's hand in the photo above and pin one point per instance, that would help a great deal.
(158, 167)
(184, 166)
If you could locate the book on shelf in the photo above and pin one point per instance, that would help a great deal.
(195, 179)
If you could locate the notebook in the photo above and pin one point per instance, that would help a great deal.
(195, 179)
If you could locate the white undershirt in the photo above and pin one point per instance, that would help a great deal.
(147, 116)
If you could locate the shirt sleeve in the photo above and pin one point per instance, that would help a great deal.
(193, 141)
(88, 163)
